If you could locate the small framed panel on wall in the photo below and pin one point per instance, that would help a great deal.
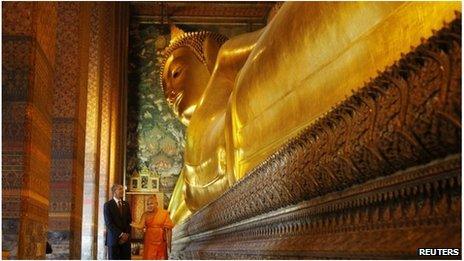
(134, 184)
(145, 181)
(154, 184)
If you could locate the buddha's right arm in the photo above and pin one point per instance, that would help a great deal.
(231, 57)
(234, 53)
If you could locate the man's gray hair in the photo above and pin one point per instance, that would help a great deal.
(115, 187)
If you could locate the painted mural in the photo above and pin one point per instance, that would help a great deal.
(155, 139)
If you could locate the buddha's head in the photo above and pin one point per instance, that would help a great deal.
(187, 66)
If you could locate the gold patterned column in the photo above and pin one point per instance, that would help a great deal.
(80, 127)
(89, 232)
(68, 129)
(117, 134)
(103, 165)
(28, 35)
(104, 122)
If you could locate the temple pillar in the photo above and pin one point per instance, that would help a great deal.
(68, 134)
(91, 169)
(63, 131)
(104, 127)
(28, 35)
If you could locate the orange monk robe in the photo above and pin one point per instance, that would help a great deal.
(155, 241)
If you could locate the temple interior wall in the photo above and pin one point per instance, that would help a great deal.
(82, 108)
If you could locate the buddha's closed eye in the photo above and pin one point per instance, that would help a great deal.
(176, 73)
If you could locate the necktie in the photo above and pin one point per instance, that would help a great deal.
(120, 207)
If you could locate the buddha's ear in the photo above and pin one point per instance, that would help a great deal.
(210, 50)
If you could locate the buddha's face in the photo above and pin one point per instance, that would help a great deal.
(185, 79)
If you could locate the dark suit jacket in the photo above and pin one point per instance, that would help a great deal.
(115, 222)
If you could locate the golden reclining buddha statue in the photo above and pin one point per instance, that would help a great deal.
(245, 97)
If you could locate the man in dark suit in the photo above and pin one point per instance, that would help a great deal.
(117, 220)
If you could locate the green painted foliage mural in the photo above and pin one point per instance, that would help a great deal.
(155, 137)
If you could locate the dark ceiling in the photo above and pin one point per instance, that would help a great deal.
(196, 12)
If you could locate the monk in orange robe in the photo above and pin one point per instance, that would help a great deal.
(158, 227)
